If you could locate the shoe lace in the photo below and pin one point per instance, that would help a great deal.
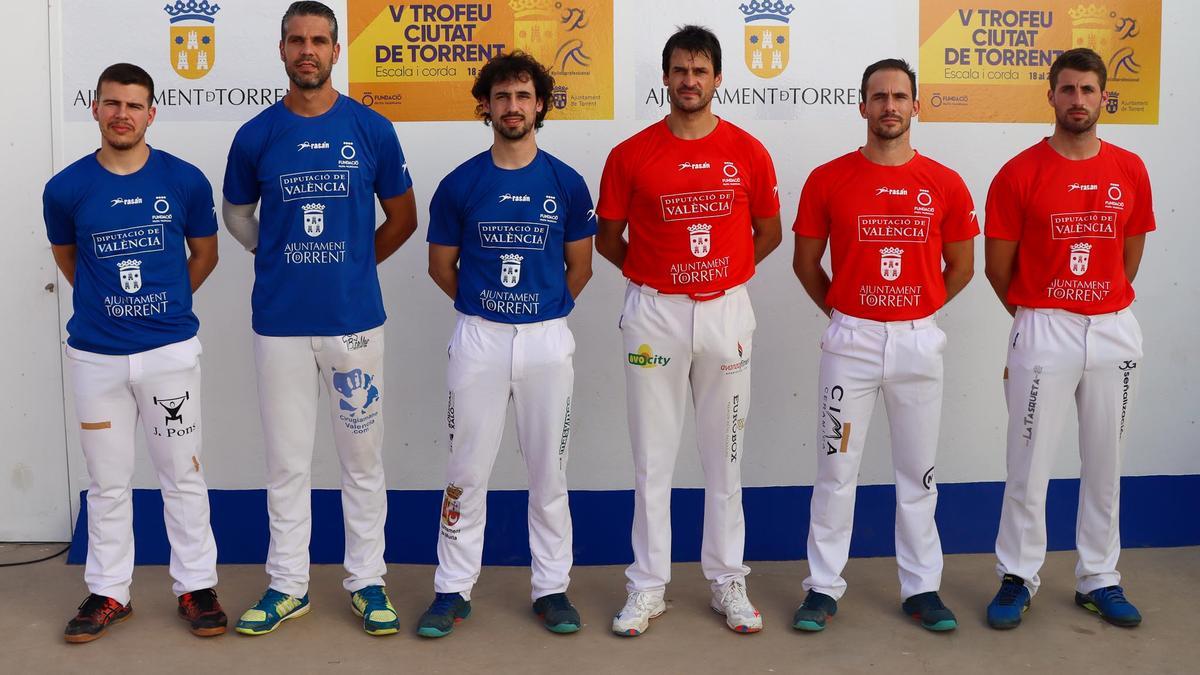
(275, 601)
(931, 602)
(201, 601)
(94, 604)
(443, 603)
(640, 602)
(1009, 592)
(557, 602)
(734, 596)
(1110, 595)
(374, 596)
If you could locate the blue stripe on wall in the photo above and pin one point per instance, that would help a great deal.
(1155, 511)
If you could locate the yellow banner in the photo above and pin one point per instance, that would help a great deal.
(416, 62)
(989, 62)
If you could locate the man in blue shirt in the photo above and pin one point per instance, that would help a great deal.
(118, 221)
(510, 241)
(315, 161)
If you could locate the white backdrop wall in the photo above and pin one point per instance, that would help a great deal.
(838, 41)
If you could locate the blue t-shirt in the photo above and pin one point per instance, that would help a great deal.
(317, 177)
(132, 292)
(510, 226)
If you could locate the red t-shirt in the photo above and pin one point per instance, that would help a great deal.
(1070, 218)
(886, 226)
(689, 205)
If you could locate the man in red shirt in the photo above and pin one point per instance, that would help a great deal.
(700, 199)
(891, 216)
(1066, 224)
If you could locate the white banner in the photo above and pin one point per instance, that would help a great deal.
(781, 59)
(209, 60)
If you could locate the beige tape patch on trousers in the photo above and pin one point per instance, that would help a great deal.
(94, 426)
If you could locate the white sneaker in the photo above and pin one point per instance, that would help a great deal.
(634, 617)
(731, 601)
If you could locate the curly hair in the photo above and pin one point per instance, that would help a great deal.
(514, 66)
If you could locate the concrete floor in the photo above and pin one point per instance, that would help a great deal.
(503, 635)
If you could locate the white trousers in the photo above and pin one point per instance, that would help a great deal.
(1056, 357)
(162, 386)
(491, 363)
(672, 341)
(859, 359)
(351, 369)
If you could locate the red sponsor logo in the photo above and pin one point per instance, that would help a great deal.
(691, 205)
(1083, 225)
(882, 229)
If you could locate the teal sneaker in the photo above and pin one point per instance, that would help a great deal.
(447, 610)
(378, 615)
(557, 613)
(816, 610)
(271, 610)
(929, 610)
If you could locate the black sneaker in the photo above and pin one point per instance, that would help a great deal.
(201, 610)
(929, 610)
(817, 609)
(557, 612)
(96, 613)
(446, 611)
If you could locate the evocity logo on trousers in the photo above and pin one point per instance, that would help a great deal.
(645, 357)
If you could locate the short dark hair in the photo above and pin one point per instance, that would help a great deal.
(514, 66)
(888, 64)
(1081, 59)
(126, 73)
(694, 40)
(308, 8)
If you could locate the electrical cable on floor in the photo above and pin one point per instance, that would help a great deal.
(30, 562)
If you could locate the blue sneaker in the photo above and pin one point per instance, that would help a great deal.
(1011, 601)
(557, 613)
(447, 610)
(378, 615)
(1110, 603)
(271, 610)
(929, 610)
(816, 610)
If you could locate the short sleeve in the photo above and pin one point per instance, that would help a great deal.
(960, 223)
(1141, 219)
(391, 171)
(241, 178)
(201, 214)
(60, 226)
(445, 221)
(812, 214)
(614, 188)
(581, 219)
(1004, 207)
(764, 186)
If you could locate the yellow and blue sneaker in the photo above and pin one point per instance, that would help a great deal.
(378, 615)
(271, 610)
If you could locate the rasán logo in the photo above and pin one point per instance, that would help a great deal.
(193, 37)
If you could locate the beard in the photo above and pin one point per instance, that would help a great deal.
(891, 133)
(698, 104)
(513, 133)
(1066, 123)
(309, 81)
